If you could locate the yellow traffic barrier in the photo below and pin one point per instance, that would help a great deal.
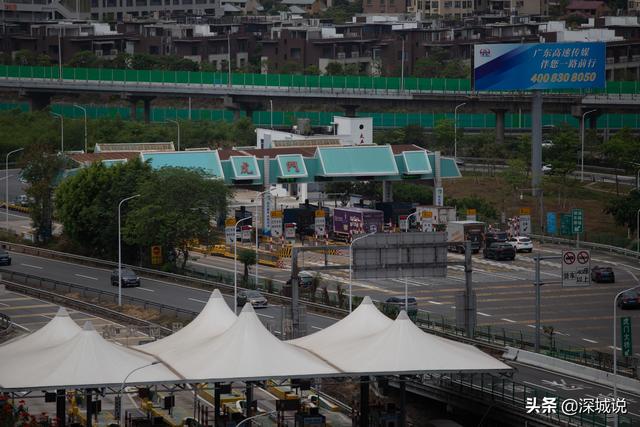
(284, 252)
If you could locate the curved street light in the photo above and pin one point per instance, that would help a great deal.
(121, 414)
(120, 248)
(351, 266)
(235, 264)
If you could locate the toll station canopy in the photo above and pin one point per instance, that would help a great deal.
(297, 164)
(217, 346)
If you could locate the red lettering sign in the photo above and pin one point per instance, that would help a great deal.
(292, 165)
(244, 169)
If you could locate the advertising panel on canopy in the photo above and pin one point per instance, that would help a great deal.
(533, 66)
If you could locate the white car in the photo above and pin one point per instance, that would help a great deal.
(521, 244)
(547, 168)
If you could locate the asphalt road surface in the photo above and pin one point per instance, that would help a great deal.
(581, 317)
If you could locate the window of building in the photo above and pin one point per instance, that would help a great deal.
(296, 53)
(458, 4)
(154, 50)
(448, 4)
(187, 1)
(141, 2)
(194, 49)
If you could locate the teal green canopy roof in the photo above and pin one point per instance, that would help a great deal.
(327, 164)
(291, 166)
(245, 167)
(375, 160)
(208, 161)
(416, 162)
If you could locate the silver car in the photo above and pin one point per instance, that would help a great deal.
(255, 298)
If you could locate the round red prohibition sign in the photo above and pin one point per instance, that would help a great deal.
(583, 257)
(569, 258)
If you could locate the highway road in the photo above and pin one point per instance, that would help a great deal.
(581, 317)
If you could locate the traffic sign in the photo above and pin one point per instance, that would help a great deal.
(525, 211)
(625, 329)
(403, 222)
(276, 223)
(472, 215)
(551, 223)
(566, 224)
(577, 216)
(320, 223)
(426, 221)
(156, 255)
(525, 225)
(576, 268)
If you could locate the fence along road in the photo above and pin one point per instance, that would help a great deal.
(256, 87)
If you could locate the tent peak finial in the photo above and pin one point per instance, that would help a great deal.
(402, 316)
(62, 312)
(88, 326)
(215, 294)
(366, 300)
(248, 308)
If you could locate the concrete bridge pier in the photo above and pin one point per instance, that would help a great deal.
(237, 106)
(500, 114)
(387, 191)
(350, 109)
(133, 106)
(38, 101)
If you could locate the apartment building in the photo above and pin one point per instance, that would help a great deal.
(121, 10)
(448, 9)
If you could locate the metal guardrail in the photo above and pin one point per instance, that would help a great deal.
(102, 296)
(597, 246)
(86, 307)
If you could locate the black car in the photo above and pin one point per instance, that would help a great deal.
(500, 251)
(129, 278)
(5, 258)
(495, 237)
(255, 298)
(602, 275)
(629, 299)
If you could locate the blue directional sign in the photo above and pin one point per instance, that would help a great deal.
(552, 226)
(520, 66)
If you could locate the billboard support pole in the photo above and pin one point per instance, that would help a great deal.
(469, 309)
(536, 141)
(537, 285)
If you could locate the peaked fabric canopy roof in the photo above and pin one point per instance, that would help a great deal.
(215, 318)
(365, 320)
(247, 351)
(85, 360)
(403, 348)
(58, 330)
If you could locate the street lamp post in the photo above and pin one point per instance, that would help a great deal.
(235, 264)
(229, 58)
(582, 144)
(402, 67)
(120, 248)
(455, 129)
(271, 108)
(6, 186)
(409, 220)
(59, 116)
(351, 267)
(615, 349)
(84, 110)
(177, 123)
(121, 414)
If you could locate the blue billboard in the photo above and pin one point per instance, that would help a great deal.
(517, 66)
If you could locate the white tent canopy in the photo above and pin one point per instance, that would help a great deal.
(58, 330)
(215, 318)
(86, 360)
(403, 348)
(247, 351)
(365, 320)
